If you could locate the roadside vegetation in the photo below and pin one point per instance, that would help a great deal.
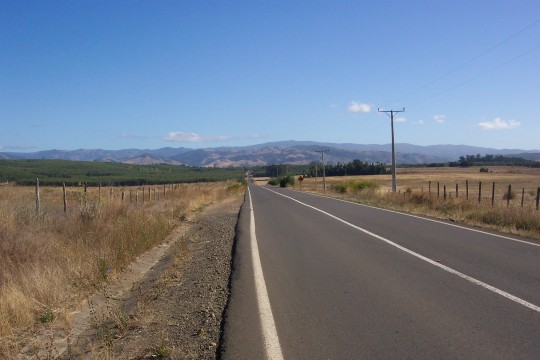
(422, 191)
(52, 259)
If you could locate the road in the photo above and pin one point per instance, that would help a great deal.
(346, 281)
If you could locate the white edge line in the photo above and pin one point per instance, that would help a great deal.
(421, 218)
(422, 257)
(270, 337)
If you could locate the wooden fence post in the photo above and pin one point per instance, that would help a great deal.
(508, 195)
(444, 192)
(522, 196)
(537, 197)
(479, 192)
(467, 189)
(457, 191)
(122, 196)
(65, 198)
(438, 189)
(38, 198)
(493, 194)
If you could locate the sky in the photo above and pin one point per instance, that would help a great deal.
(195, 73)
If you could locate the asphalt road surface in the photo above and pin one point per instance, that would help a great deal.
(319, 278)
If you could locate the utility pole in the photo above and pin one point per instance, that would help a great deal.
(323, 171)
(391, 114)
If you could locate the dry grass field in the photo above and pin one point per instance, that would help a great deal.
(51, 259)
(414, 195)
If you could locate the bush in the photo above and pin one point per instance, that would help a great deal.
(286, 180)
(352, 185)
(340, 188)
(484, 170)
(273, 182)
(363, 185)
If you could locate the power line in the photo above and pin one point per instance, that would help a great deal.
(474, 58)
(477, 76)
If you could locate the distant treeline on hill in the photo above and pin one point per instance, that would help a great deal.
(493, 160)
(73, 173)
(355, 167)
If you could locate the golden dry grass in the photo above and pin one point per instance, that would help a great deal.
(51, 260)
(414, 196)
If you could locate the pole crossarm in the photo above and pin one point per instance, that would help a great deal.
(391, 113)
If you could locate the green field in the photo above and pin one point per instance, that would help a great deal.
(57, 172)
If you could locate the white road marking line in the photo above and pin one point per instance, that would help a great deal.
(424, 218)
(270, 337)
(422, 257)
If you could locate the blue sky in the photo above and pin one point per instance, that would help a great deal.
(152, 74)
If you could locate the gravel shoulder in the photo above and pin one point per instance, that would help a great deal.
(176, 312)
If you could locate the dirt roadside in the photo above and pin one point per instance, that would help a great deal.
(168, 305)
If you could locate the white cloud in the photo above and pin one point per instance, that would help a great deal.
(179, 136)
(498, 124)
(439, 118)
(357, 107)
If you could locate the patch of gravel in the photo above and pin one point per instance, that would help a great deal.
(176, 312)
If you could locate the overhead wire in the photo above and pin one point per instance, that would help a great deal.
(471, 60)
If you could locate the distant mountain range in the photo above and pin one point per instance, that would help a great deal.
(290, 152)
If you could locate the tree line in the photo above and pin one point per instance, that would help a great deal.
(493, 160)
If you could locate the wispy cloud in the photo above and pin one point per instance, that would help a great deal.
(400, 119)
(178, 136)
(439, 118)
(357, 107)
(498, 124)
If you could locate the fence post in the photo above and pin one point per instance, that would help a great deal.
(457, 191)
(444, 187)
(479, 192)
(537, 197)
(493, 194)
(522, 196)
(38, 199)
(142, 194)
(122, 196)
(467, 189)
(65, 198)
(438, 189)
(508, 195)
